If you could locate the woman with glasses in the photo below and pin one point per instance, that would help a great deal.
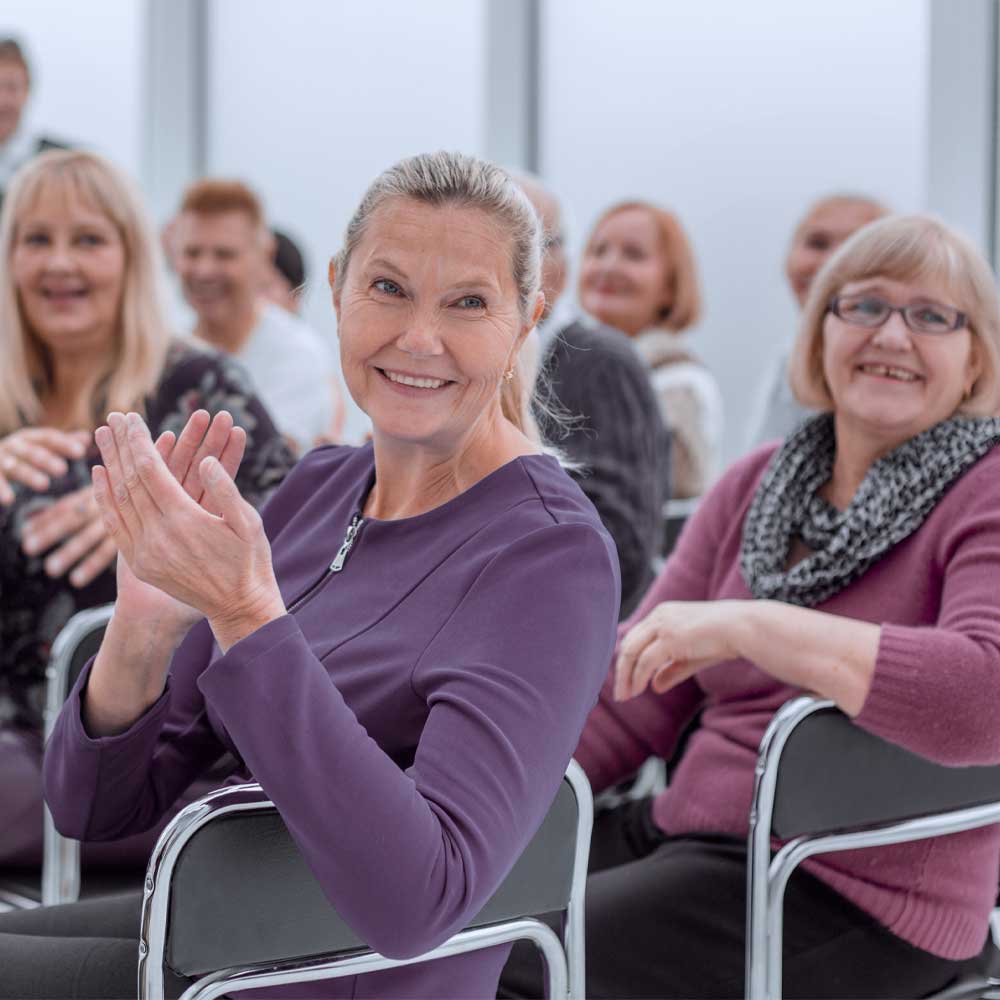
(858, 560)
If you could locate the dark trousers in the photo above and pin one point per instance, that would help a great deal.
(80, 951)
(665, 917)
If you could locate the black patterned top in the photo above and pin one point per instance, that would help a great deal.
(33, 606)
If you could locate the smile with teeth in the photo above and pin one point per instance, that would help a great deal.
(887, 371)
(417, 383)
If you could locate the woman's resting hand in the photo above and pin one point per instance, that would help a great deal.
(32, 456)
(74, 524)
(828, 654)
(182, 527)
(675, 640)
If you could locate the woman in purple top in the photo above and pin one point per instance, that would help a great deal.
(402, 650)
(859, 560)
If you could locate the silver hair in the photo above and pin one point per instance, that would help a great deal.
(456, 179)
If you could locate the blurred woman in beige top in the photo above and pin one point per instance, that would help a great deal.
(638, 275)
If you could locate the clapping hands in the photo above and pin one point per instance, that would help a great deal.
(181, 525)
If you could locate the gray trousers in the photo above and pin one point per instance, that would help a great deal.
(80, 951)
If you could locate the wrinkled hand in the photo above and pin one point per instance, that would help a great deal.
(196, 540)
(201, 437)
(33, 455)
(74, 520)
(675, 640)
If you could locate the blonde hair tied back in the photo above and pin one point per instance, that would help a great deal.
(456, 179)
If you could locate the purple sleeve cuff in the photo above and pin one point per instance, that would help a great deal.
(143, 731)
(249, 649)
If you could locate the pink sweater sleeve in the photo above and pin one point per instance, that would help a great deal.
(935, 687)
(619, 736)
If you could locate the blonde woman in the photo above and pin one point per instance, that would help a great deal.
(408, 642)
(82, 333)
(638, 275)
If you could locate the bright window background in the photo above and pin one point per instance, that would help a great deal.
(87, 65)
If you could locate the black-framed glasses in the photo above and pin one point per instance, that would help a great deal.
(871, 312)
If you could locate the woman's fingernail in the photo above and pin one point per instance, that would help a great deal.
(77, 578)
(53, 567)
(29, 544)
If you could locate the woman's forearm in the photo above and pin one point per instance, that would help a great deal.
(830, 655)
(129, 673)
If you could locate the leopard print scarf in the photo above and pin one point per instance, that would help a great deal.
(897, 494)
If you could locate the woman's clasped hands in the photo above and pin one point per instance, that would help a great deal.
(182, 527)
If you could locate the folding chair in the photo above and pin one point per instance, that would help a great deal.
(227, 865)
(822, 785)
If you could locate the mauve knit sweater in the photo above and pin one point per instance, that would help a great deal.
(935, 691)
(411, 718)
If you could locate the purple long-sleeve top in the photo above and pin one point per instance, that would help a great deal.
(934, 691)
(411, 717)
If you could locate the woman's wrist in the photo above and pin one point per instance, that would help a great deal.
(129, 673)
(232, 625)
(742, 626)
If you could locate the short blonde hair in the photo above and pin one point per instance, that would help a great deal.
(904, 248)
(137, 361)
(682, 271)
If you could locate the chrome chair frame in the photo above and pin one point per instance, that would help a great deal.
(563, 955)
(767, 877)
(61, 855)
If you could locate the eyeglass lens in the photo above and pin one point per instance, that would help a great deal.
(922, 317)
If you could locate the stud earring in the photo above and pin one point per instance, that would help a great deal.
(508, 375)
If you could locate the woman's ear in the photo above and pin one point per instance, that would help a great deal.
(537, 314)
(974, 365)
(332, 278)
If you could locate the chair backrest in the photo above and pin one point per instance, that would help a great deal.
(240, 892)
(76, 643)
(836, 776)
(78, 640)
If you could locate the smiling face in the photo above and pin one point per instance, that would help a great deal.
(221, 261)
(890, 383)
(827, 225)
(624, 272)
(68, 266)
(429, 321)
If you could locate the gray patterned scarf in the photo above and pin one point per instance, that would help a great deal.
(897, 494)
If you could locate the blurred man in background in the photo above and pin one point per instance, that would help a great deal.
(223, 251)
(18, 143)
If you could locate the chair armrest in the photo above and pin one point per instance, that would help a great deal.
(835, 776)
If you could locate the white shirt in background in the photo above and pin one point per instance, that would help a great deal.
(293, 371)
